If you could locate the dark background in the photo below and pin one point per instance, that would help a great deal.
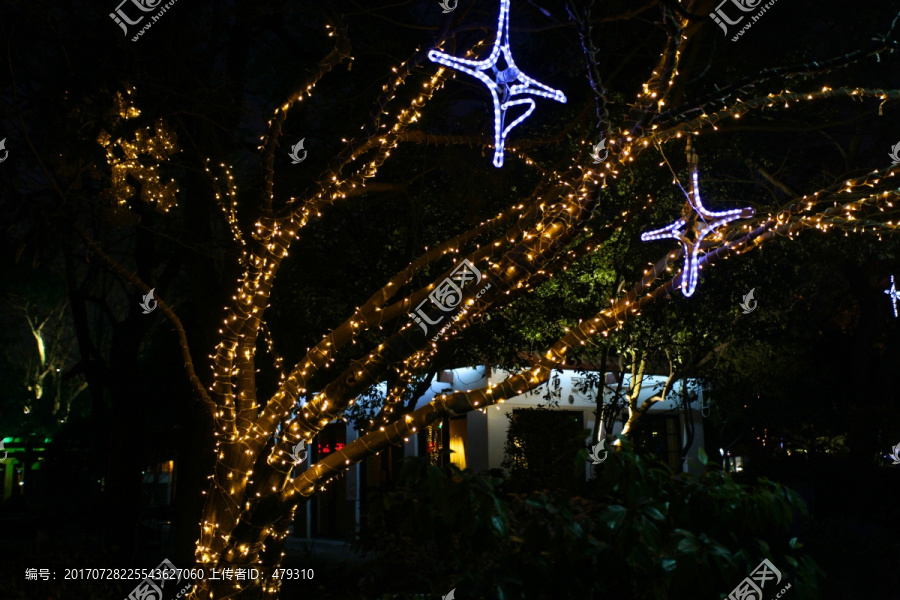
(816, 370)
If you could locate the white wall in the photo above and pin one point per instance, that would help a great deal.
(487, 427)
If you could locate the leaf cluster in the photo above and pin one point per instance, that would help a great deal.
(639, 531)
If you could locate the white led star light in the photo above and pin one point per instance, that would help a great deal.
(678, 231)
(893, 295)
(499, 86)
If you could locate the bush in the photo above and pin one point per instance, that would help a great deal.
(640, 532)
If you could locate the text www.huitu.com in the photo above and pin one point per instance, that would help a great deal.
(153, 19)
(753, 20)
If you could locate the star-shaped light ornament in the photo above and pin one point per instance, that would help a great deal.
(503, 84)
(893, 295)
(690, 231)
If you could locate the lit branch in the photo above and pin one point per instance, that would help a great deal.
(340, 53)
(746, 84)
(657, 88)
(740, 108)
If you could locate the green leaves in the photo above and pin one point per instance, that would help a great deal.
(635, 532)
(688, 544)
(653, 513)
(701, 456)
(613, 516)
(499, 525)
(668, 564)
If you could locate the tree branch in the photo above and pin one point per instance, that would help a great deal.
(166, 310)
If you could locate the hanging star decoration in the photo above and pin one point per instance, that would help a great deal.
(691, 232)
(893, 295)
(505, 84)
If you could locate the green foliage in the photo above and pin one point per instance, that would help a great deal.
(639, 532)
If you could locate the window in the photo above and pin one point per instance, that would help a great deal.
(541, 445)
(447, 437)
(459, 441)
(658, 434)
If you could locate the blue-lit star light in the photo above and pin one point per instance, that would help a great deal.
(894, 296)
(680, 229)
(505, 84)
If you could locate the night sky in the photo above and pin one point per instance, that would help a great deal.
(156, 157)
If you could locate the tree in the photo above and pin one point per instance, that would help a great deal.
(45, 386)
(532, 249)
(568, 210)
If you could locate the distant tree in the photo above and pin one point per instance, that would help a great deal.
(47, 388)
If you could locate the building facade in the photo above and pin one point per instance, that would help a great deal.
(477, 439)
